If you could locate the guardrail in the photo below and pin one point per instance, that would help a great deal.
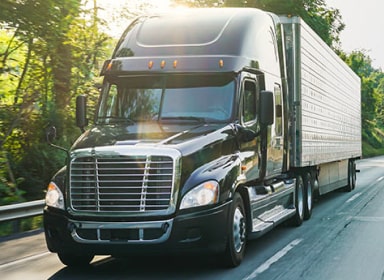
(21, 210)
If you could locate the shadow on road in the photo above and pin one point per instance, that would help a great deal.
(163, 267)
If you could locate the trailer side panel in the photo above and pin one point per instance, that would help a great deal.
(324, 99)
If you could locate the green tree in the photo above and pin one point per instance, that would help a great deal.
(361, 64)
(379, 78)
(28, 60)
(49, 52)
(325, 21)
(372, 90)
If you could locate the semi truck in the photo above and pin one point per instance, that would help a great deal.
(213, 126)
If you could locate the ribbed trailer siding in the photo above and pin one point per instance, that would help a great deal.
(324, 96)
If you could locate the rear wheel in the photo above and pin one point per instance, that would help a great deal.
(237, 237)
(308, 195)
(298, 218)
(75, 260)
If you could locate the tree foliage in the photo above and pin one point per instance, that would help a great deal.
(325, 21)
(50, 51)
(372, 100)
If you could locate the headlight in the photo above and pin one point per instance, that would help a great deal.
(54, 196)
(203, 194)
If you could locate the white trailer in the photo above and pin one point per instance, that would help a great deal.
(325, 111)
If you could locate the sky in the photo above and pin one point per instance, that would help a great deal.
(113, 10)
(363, 20)
(364, 27)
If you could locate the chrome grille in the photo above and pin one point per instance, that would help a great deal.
(121, 184)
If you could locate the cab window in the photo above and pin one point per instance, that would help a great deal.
(249, 111)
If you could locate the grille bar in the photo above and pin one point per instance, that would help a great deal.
(121, 184)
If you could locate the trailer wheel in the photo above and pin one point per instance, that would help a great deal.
(75, 260)
(351, 176)
(237, 233)
(298, 218)
(308, 195)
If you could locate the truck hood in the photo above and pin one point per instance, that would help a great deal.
(154, 134)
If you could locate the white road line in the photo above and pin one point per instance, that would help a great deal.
(263, 267)
(26, 259)
(353, 198)
(368, 219)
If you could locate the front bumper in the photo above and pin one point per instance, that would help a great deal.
(200, 231)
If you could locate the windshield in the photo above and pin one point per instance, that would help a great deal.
(167, 98)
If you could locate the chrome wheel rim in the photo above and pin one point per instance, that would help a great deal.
(238, 230)
(309, 195)
(300, 201)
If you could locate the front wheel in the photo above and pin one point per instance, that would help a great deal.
(74, 260)
(237, 233)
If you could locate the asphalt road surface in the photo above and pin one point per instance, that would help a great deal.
(344, 239)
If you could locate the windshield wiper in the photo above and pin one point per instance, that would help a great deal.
(185, 118)
(114, 120)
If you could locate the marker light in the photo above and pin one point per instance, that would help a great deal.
(221, 63)
(150, 64)
(162, 64)
(109, 66)
(174, 63)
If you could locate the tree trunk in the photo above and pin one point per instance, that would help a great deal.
(61, 72)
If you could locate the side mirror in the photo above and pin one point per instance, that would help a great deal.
(81, 112)
(51, 135)
(266, 108)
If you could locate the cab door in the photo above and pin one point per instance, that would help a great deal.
(250, 148)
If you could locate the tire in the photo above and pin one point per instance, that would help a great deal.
(298, 218)
(72, 260)
(351, 176)
(237, 233)
(308, 195)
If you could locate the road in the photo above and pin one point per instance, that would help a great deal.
(344, 239)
